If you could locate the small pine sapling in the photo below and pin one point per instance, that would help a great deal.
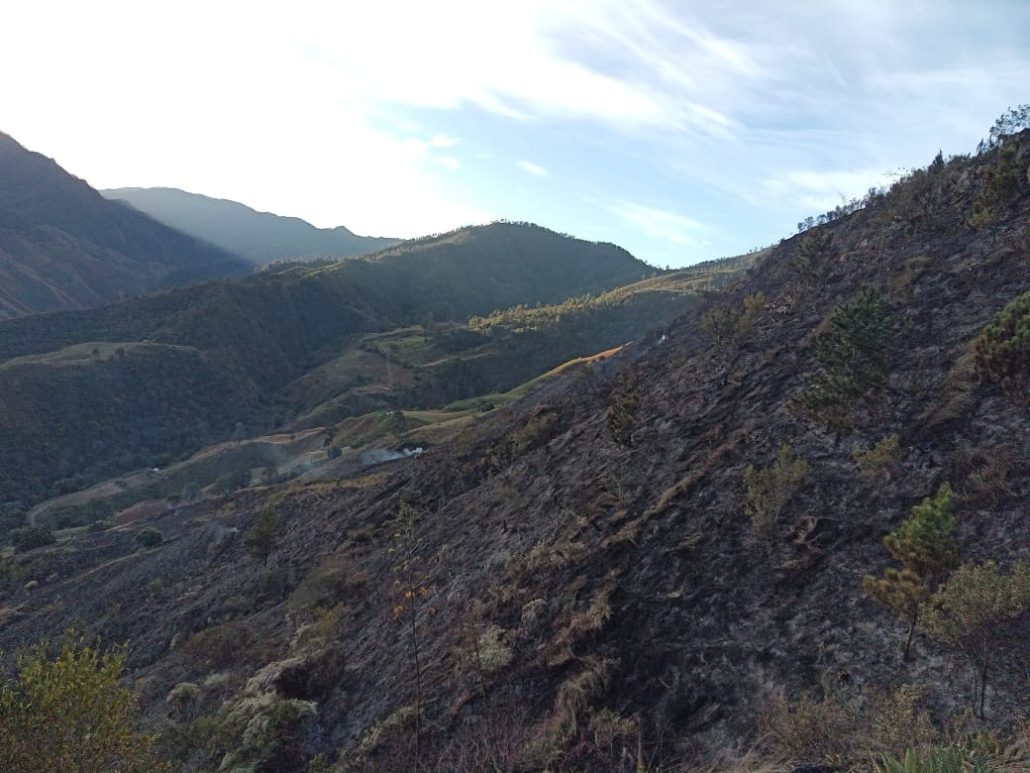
(769, 489)
(924, 547)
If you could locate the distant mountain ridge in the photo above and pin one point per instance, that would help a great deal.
(64, 246)
(260, 237)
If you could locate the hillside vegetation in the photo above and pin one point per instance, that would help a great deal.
(96, 393)
(63, 246)
(788, 532)
(260, 237)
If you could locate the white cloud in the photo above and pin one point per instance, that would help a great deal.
(156, 96)
(658, 223)
(442, 141)
(820, 191)
(361, 113)
(534, 169)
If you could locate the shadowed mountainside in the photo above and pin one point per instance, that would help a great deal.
(64, 246)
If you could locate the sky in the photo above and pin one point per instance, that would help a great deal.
(682, 131)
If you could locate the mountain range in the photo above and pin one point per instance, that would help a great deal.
(63, 246)
(94, 392)
(260, 237)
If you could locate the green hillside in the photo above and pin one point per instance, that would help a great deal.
(292, 346)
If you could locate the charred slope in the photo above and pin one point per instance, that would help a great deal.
(575, 599)
(63, 246)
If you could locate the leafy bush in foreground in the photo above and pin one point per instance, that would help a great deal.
(70, 714)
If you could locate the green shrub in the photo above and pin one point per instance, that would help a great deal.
(229, 482)
(534, 433)
(266, 729)
(149, 538)
(491, 651)
(185, 698)
(999, 189)
(769, 489)
(1003, 350)
(939, 760)
(262, 536)
(327, 585)
(808, 727)
(71, 714)
(720, 323)
(623, 405)
(224, 645)
(727, 326)
(812, 256)
(12, 516)
(31, 537)
(874, 463)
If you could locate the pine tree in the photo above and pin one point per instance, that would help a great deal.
(1003, 350)
(924, 547)
(623, 405)
(853, 358)
(971, 612)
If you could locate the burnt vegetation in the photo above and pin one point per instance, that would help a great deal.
(790, 532)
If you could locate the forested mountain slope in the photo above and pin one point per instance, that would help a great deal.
(88, 394)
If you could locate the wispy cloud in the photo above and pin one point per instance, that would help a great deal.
(819, 191)
(750, 114)
(658, 223)
(534, 169)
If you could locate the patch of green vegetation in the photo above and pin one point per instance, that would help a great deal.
(813, 255)
(70, 713)
(769, 489)
(31, 537)
(263, 535)
(623, 405)
(139, 384)
(726, 326)
(874, 463)
(74, 425)
(492, 654)
(149, 538)
(973, 611)
(1003, 182)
